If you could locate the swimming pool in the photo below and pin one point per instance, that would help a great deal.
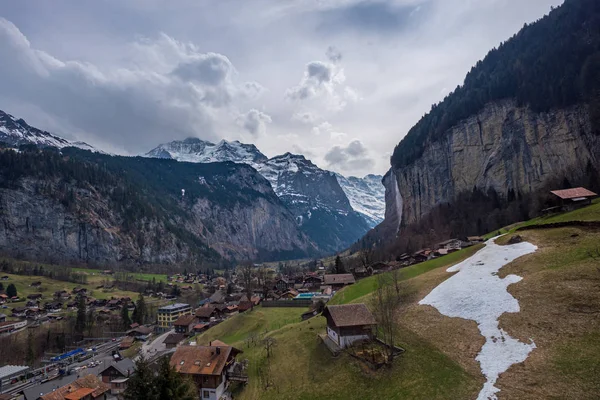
(306, 295)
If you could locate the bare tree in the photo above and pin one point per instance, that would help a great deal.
(269, 343)
(366, 257)
(247, 279)
(384, 303)
(396, 280)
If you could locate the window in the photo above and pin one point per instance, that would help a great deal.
(206, 394)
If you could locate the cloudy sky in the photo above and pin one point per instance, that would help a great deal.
(341, 81)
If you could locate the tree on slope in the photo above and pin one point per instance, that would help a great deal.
(173, 386)
(126, 321)
(11, 290)
(339, 267)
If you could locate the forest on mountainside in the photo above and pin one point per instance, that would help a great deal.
(552, 63)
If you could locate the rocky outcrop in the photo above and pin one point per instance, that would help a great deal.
(35, 226)
(504, 147)
(84, 207)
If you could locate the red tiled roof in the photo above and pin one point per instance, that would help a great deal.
(574, 193)
(89, 382)
(204, 312)
(79, 394)
(201, 360)
(350, 315)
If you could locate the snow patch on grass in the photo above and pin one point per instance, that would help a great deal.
(477, 293)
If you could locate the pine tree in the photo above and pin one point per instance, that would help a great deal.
(1, 287)
(125, 317)
(172, 385)
(80, 321)
(339, 266)
(11, 290)
(140, 310)
(141, 385)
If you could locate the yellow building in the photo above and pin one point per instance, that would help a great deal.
(167, 315)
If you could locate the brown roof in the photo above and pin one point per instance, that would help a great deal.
(245, 305)
(86, 382)
(174, 338)
(339, 278)
(202, 360)
(205, 312)
(79, 394)
(350, 315)
(184, 320)
(574, 193)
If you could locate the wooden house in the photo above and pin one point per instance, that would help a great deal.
(210, 367)
(450, 245)
(205, 314)
(185, 324)
(173, 340)
(117, 374)
(88, 387)
(282, 285)
(571, 199)
(348, 323)
(338, 281)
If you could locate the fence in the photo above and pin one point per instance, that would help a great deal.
(304, 303)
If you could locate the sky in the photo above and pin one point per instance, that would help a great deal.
(340, 81)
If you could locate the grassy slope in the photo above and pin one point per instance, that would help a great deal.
(368, 285)
(440, 358)
(590, 213)
(302, 368)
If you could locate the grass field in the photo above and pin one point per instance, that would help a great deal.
(368, 285)
(49, 286)
(259, 320)
(96, 274)
(589, 213)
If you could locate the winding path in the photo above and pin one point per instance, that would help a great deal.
(477, 293)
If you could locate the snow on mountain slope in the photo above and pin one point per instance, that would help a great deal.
(16, 132)
(313, 195)
(366, 195)
(201, 151)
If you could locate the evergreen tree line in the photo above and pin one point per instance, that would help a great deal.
(552, 63)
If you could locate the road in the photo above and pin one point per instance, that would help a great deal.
(148, 350)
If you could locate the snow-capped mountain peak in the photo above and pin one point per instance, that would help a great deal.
(16, 132)
(366, 195)
(202, 151)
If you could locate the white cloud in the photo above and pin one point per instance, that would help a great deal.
(254, 121)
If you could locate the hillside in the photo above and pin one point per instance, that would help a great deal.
(558, 298)
(88, 207)
(524, 122)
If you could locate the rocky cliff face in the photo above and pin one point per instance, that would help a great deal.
(78, 206)
(504, 147)
(35, 226)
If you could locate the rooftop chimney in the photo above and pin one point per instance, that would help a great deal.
(218, 350)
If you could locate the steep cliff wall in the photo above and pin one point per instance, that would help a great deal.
(36, 226)
(503, 147)
(76, 206)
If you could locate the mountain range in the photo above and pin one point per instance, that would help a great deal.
(193, 201)
(332, 209)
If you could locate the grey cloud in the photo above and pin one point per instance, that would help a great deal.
(253, 90)
(333, 54)
(319, 78)
(131, 109)
(305, 118)
(254, 121)
(352, 157)
(368, 16)
(319, 71)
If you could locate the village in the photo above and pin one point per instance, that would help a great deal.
(175, 326)
(180, 317)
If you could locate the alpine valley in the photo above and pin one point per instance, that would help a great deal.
(186, 201)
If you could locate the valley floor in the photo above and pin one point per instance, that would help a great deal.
(559, 299)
